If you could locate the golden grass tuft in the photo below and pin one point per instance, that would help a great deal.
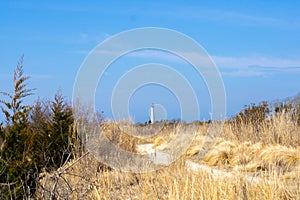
(220, 154)
(159, 141)
(194, 150)
(251, 157)
(244, 153)
(280, 156)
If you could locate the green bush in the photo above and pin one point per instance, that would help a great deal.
(34, 139)
(17, 163)
(61, 134)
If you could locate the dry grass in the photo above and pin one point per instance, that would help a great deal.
(253, 157)
(246, 163)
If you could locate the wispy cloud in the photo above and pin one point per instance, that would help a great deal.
(156, 54)
(255, 66)
(92, 38)
(243, 73)
(248, 19)
(208, 14)
(228, 65)
(255, 61)
(241, 66)
(171, 10)
(42, 76)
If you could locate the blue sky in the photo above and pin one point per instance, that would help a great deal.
(255, 44)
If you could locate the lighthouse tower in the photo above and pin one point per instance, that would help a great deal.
(152, 114)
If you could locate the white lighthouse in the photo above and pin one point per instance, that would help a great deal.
(152, 113)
